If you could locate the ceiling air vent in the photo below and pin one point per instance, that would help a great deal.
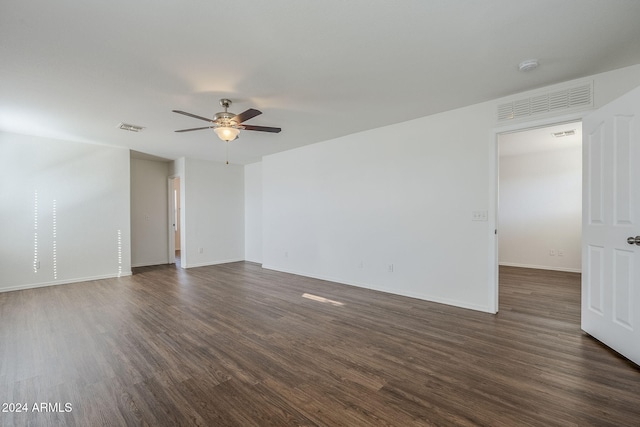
(570, 99)
(131, 128)
(564, 133)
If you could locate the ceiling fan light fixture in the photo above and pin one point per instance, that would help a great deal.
(227, 133)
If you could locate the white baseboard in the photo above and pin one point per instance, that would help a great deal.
(542, 267)
(63, 282)
(150, 263)
(208, 263)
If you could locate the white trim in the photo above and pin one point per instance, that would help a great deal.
(542, 267)
(539, 123)
(205, 264)
(171, 249)
(150, 263)
(65, 282)
(424, 297)
(492, 297)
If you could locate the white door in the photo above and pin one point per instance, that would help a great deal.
(611, 215)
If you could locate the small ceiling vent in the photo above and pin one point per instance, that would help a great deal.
(564, 133)
(528, 65)
(570, 99)
(130, 128)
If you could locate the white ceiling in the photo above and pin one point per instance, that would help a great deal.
(319, 69)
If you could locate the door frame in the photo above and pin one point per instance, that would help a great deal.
(171, 249)
(494, 193)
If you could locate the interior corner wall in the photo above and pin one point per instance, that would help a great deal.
(149, 212)
(212, 212)
(541, 210)
(65, 209)
(253, 212)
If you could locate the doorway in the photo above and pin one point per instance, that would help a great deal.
(175, 217)
(539, 198)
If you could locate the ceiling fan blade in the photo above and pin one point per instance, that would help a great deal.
(192, 115)
(246, 115)
(262, 128)
(189, 130)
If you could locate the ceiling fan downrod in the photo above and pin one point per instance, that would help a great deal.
(226, 103)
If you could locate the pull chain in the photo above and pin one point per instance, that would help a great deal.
(227, 144)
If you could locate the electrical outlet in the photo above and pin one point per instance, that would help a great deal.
(552, 252)
(560, 252)
(479, 216)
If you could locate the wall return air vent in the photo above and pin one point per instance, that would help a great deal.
(566, 100)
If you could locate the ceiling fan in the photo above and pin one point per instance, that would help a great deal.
(228, 125)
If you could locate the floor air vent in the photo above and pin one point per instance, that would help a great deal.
(570, 99)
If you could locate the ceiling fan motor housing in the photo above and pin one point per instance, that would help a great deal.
(224, 117)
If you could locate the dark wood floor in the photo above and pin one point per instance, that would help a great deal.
(238, 345)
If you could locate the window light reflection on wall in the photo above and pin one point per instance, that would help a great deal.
(36, 263)
(119, 253)
(55, 244)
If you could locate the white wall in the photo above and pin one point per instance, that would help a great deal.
(149, 214)
(541, 210)
(253, 212)
(401, 195)
(213, 212)
(80, 229)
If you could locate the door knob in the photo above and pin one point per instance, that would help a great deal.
(634, 240)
